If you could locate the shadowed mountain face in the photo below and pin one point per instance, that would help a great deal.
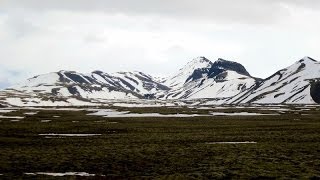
(219, 82)
(315, 91)
(222, 64)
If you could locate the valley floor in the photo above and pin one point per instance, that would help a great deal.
(173, 143)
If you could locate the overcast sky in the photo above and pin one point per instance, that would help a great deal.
(154, 36)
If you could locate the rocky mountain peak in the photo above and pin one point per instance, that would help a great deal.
(222, 64)
(306, 59)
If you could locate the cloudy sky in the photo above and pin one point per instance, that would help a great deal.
(153, 36)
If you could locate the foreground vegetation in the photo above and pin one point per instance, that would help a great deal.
(288, 145)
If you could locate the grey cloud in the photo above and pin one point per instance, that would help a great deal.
(239, 11)
(93, 38)
(18, 24)
(312, 4)
(67, 34)
(20, 28)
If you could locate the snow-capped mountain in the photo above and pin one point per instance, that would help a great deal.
(182, 76)
(201, 78)
(203, 81)
(69, 87)
(296, 84)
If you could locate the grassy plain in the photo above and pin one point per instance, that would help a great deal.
(288, 145)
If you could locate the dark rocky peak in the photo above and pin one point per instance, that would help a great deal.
(223, 65)
(98, 72)
(202, 59)
(306, 60)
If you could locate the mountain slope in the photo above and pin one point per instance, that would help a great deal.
(137, 82)
(72, 88)
(298, 83)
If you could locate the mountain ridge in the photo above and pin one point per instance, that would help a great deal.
(219, 82)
